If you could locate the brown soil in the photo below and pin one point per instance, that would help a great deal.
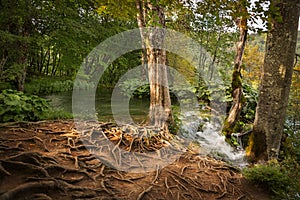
(47, 160)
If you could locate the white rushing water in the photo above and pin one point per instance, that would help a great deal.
(211, 141)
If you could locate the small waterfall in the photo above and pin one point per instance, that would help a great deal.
(206, 132)
(213, 143)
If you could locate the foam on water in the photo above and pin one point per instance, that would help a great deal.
(211, 141)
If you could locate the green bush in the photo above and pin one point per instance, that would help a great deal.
(216, 91)
(276, 177)
(135, 87)
(141, 89)
(251, 98)
(57, 114)
(48, 85)
(290, 146)
(17, 106)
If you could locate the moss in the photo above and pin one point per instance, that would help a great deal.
(270, 175)
(249, 148)
(228, 128)
(257, 149)
(236, 79)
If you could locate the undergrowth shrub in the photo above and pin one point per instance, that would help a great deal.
(278, 178)
(48, 85)
(135, 87)
(251, 98)
(17, 106)
(141, 89)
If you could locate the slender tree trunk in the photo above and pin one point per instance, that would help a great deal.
(31, 65)
(23, 59)
(2, 64)
(211, 70)
(54, 64)
(276, 79)
(142, 24)
(236, 84)
(40, 60)
(48, 62)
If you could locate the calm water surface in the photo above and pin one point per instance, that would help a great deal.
(138, 108)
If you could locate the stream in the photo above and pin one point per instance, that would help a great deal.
(208, 136)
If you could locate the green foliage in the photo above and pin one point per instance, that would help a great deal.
(293, 117)
(10, 74)
(182, 91)
(247, 115)
(5, 85)
(140, 89)
(81, 84)
(17, 106)
(270, 175)
(175, 125)
(119, 67)
(248, 112)
(54, 114)
(48, 85)
(122, 9)
(135, 87)
(251, 98)
(290, 147)
(50, 38)
(276, 177)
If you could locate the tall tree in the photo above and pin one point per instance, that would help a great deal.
(38, 35)
(276, 79)
(150, 16)
(152, 39)
(236, 83)
(15, 31)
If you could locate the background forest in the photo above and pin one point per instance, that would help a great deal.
(44, 43)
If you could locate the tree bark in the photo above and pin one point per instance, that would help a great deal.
(142, 12)
(2, 64)
(23, 59)
(236, 84)
(160, 103)
(275, 83)
(142, 24)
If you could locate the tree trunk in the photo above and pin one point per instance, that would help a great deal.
(2, 64)
(142, 24)
(160, 103)
(22, 62)
(211, 70)
(275, 85)
(48, 62)
(236, 84)
(21, 77)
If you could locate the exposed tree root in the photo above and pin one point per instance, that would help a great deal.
(40, 196)
(143, 193)
(56, 161)
(3, 170)
(41, 185)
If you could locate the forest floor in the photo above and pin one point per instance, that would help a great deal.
(48, 160)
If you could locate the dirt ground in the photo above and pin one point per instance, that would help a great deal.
(48, 160)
